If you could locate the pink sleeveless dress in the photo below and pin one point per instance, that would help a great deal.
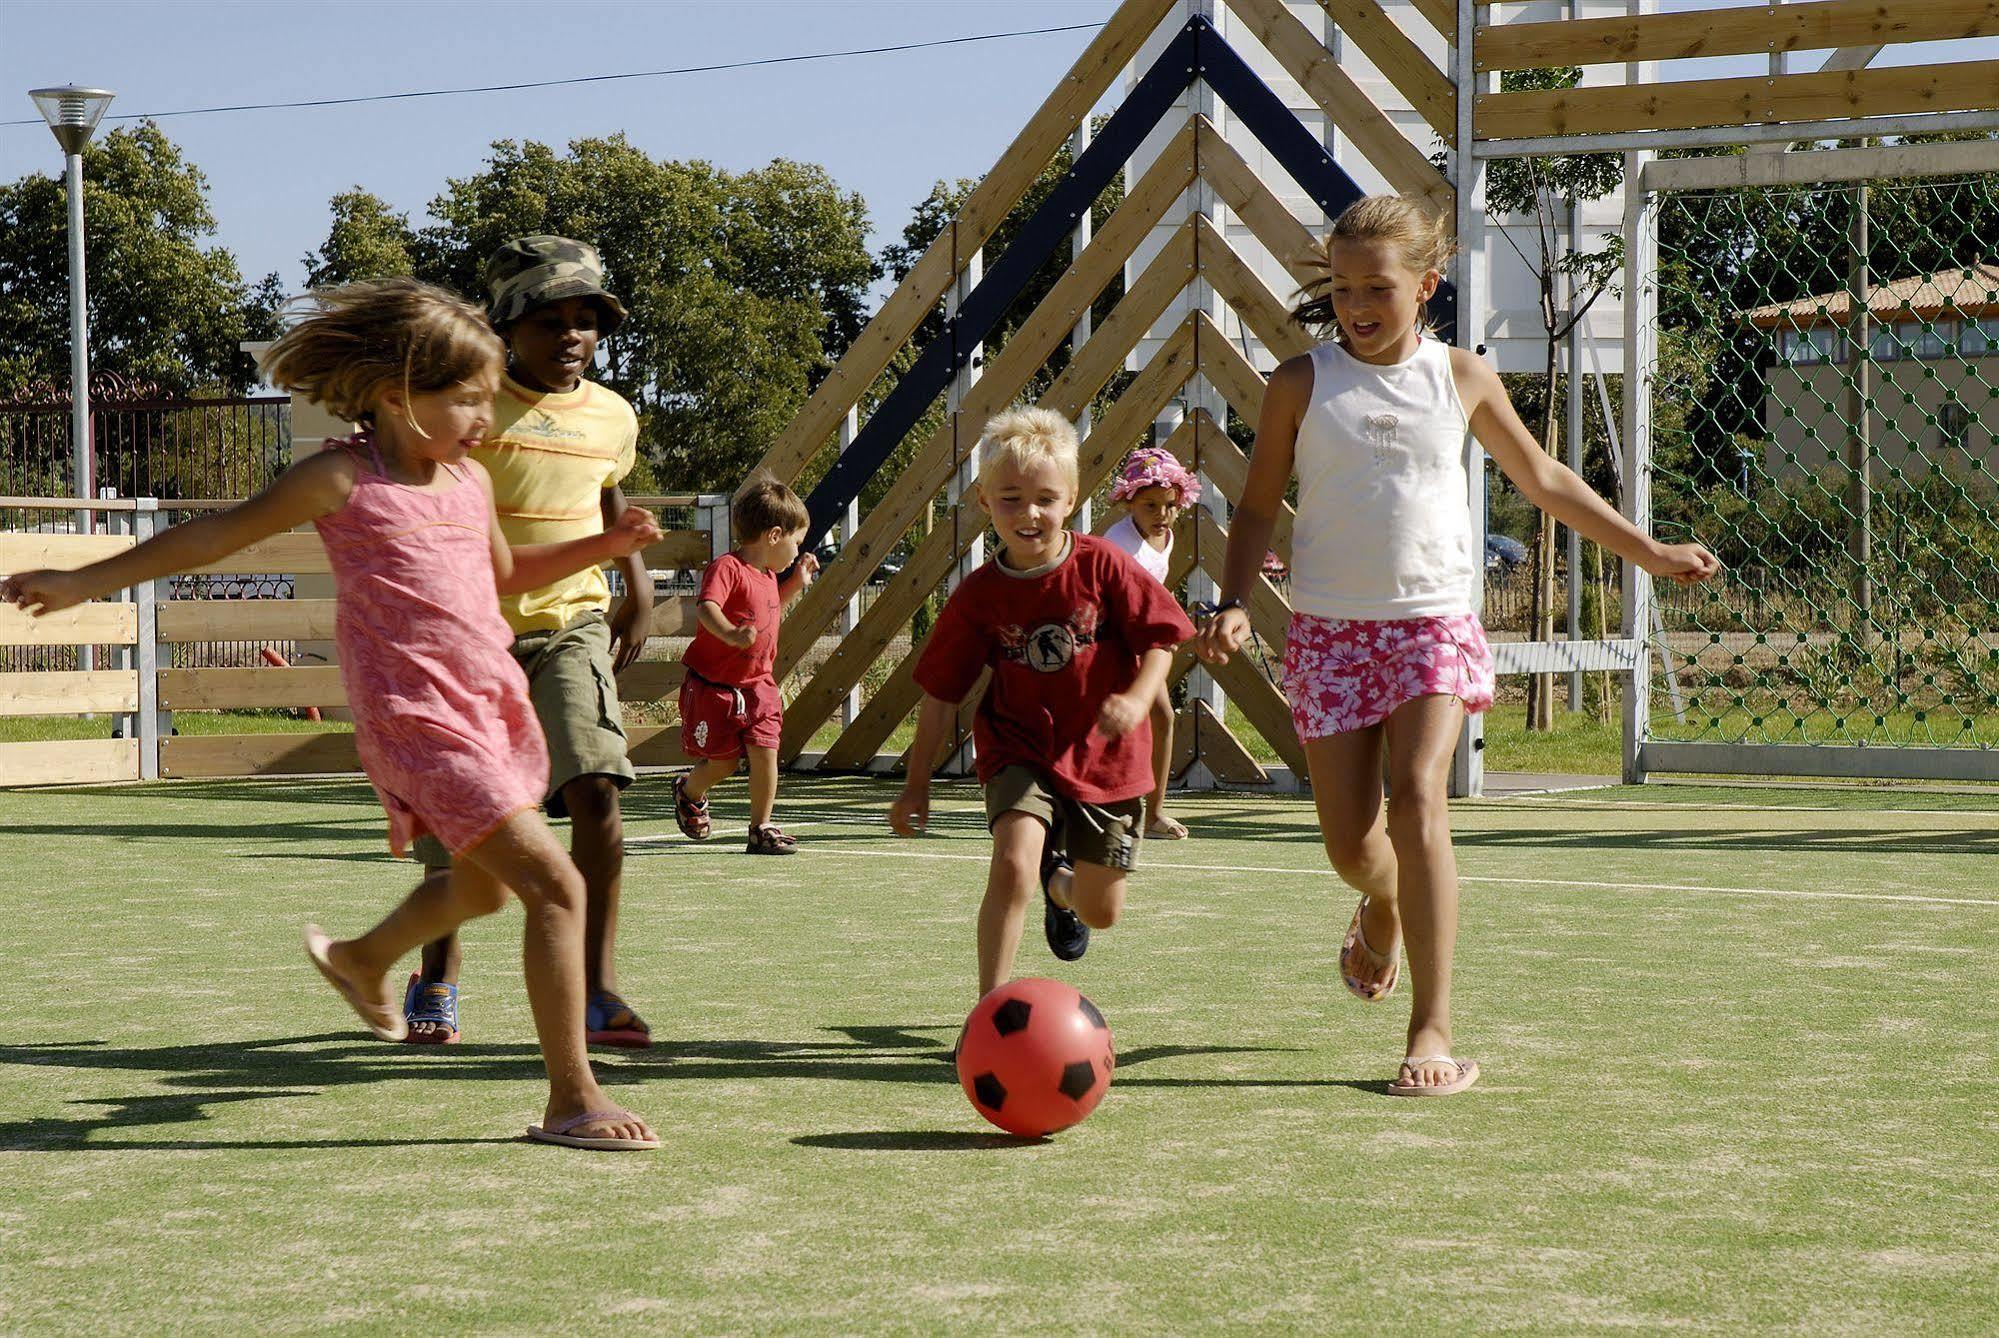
(441, 713)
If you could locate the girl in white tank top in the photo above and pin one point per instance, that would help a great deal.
(1384, 656)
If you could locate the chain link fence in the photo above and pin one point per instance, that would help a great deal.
(1825, 402)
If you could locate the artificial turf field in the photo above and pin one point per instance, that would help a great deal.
(1738, 1052)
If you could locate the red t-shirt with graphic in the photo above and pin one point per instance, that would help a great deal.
(1060, 640)
(745, 594)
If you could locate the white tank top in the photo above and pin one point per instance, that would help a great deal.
(1158, 561)
(1384, 528)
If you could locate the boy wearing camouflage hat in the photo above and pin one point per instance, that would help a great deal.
(558, 449)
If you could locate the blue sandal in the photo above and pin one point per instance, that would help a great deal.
(609, 1020)
(432, 1012)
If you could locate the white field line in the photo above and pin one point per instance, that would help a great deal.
(1662, 805)
(825, 853)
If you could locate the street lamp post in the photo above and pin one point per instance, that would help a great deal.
(73, 114)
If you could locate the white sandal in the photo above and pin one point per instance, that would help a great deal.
(1467, 1075)
(1356, 938)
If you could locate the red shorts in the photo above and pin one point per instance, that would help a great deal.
(719, 721)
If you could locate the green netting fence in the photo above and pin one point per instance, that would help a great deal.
(1824, 408)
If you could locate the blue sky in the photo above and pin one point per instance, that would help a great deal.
(886, 126)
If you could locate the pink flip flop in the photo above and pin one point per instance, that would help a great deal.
(1467, 1075)
(1356, 939)
(561, 1137)
(386, 1021)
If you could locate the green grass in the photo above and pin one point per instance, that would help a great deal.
(1736, 1047)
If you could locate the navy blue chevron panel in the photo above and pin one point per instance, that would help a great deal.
(1198, 51)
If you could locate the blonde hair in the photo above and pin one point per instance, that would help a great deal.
(1019, 437)
(1421, 237)
(350, 345)
(767, 504)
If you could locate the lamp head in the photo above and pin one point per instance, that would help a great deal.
(72, 113)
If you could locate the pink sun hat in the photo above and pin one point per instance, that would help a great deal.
(1156, 467)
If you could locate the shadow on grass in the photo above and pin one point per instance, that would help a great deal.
(917, 1140)
(290, 1067)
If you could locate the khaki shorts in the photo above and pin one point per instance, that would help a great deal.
(1106, 834)
(575, 694)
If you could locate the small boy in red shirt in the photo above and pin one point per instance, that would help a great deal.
(1079, 639)
(729, 703)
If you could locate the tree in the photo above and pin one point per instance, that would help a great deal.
(1535, 187)
(742, 287)
(368, 240)
(164, 306)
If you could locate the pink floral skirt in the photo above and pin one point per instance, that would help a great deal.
(1342, 674)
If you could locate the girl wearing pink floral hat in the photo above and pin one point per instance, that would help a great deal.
(1155, 487)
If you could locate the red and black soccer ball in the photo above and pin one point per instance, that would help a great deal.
(1035, 1057)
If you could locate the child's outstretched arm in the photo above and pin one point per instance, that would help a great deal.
(802, 573)
(740, 635)
(1262, 494)
(910, 813)
(1122, 712)
(308, 490)
(532, 566)
(1555, 488)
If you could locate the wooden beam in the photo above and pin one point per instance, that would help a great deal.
(1754, 30)
(1306, 59)
(680, 550)
(651, 680)
(296, 552)
(1263, 704)
(1245, 291)
(1757, 100)
(1111, 436)
(656, 746)
(1007, 374)
(1244, 192)
(1442, 14)
(673, 616)
(1400, 61)
(1114, 47)
(186, 755)
(266, 688)
(60, 552)
(69, 762)
(83, 625)
(1222, 752)
(247, 619)
(63, 692)
(1228, 370)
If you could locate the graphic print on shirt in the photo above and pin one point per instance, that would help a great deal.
(1381, 429)
(1050, 648)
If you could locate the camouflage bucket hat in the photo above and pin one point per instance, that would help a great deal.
(529, 272)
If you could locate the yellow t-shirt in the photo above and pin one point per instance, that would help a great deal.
(551, 456)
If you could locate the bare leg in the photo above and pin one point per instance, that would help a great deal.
(1346, 788)
(1422, 735)
(1156, 821)
(1011, 881)
(763, 784)
(1096, 894)
(441, 957)
(597, 844)
(706, 773)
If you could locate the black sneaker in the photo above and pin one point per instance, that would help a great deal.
(1068, 936)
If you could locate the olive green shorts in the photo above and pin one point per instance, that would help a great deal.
(1106, 834)
(575, 694)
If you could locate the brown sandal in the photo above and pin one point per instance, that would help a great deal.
(768, 840)
(690, 815)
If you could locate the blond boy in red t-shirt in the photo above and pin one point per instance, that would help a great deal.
(1079, 639)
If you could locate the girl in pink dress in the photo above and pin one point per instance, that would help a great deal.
(1385, 655)
(442, 719)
